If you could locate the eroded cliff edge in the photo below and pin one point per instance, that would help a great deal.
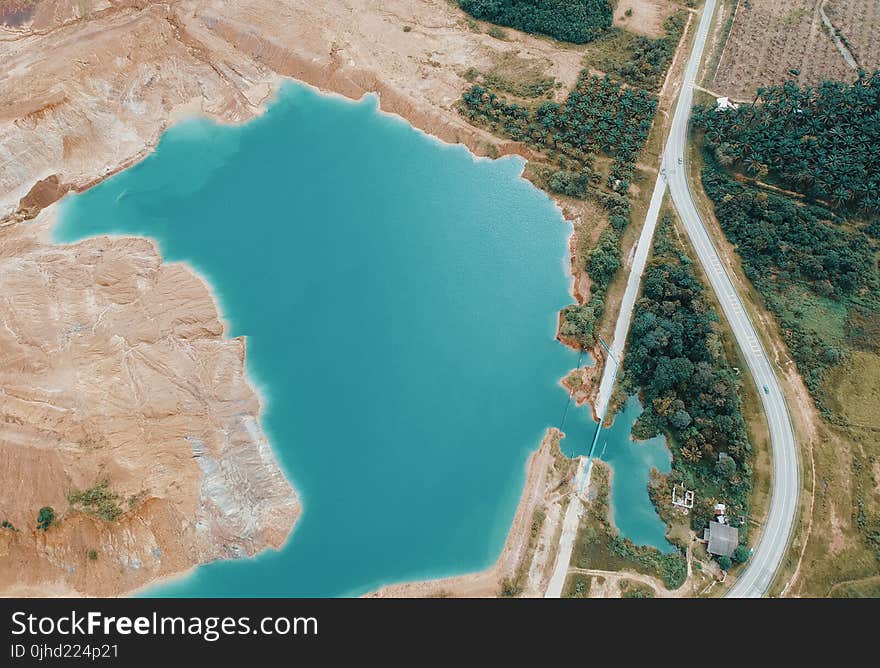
(114, 369)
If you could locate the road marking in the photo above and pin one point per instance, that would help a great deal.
(770, 550)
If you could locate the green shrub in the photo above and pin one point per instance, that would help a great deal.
(578, 323)
(45, 518)
(639, 60)
(98, 501)
(538, 86)
(510, 588)
(572, 184)
(638, 592)
(673, 570)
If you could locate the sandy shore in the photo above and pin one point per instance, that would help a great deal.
(548, 472)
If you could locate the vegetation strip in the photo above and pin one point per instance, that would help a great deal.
(676, 361)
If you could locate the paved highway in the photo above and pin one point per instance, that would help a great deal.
(768, 554)
(575, 508)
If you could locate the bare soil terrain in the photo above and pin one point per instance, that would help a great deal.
(768, 39)
(859, 23)
(86, 97)
(115, 367)
(646, 16)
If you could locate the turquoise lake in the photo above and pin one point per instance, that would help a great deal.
(399, 299)
(632, 462)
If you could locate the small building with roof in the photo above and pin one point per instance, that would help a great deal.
(722, 538)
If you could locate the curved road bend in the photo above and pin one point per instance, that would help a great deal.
(758, 575)
(768, 554)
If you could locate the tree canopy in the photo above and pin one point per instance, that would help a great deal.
(816, 272)
(577, 21)
(689, 390)
(598, 116)
(822, 141)
(45, 518)
(774, 234)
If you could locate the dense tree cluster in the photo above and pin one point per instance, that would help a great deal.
(689, 390)
(602, 115)
(778, 238)
(599, 115)
(639, 60)
(822, 141)
(572, 184)
(805, 265)
(604, 259)
(579, 322)
(577, 21)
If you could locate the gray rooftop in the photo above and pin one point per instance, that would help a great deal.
(723, 539)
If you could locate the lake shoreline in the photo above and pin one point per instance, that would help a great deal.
(332, 78)
(224, 308)
(488, 583)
